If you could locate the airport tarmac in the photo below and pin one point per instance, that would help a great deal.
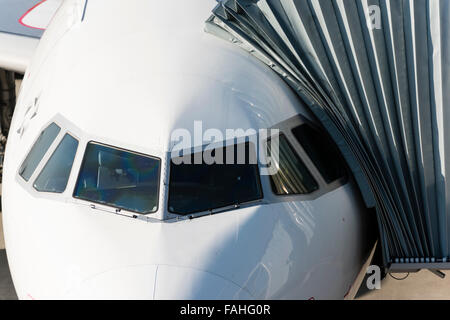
(422, 285)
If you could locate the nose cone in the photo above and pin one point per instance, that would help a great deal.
(155, 282)
(180, 283)
(126, 283)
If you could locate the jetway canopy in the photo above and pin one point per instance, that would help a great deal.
(376, 73)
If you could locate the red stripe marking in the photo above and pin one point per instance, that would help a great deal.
(30, 296)
(29, 10)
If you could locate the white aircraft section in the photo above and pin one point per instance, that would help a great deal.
(170, 75)
(129, 85)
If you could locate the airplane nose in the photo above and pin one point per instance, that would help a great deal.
(123, 283)
(155, 282)
(181, 283)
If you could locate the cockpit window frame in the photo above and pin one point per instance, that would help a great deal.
(66, 133)
(32, 149)
(312, 185)
(83, 138)
(66, 127)
(164, 157)
(285, 127)
(168, 214)
(117, 208)
(343, 175)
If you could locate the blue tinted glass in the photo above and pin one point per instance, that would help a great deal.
(38, 151)
(56, 172)
(119, 178)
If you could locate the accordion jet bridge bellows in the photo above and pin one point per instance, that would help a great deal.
(376, 74)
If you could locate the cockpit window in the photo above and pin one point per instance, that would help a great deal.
(322, 151)
(293, 176)
(38, 151)
(202, 187)
(119, 178)
(54, 176)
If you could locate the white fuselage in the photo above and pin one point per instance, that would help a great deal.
(128, 75)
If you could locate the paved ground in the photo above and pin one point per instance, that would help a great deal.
(423, 285)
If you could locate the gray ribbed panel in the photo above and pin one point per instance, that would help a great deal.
(383, 94)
